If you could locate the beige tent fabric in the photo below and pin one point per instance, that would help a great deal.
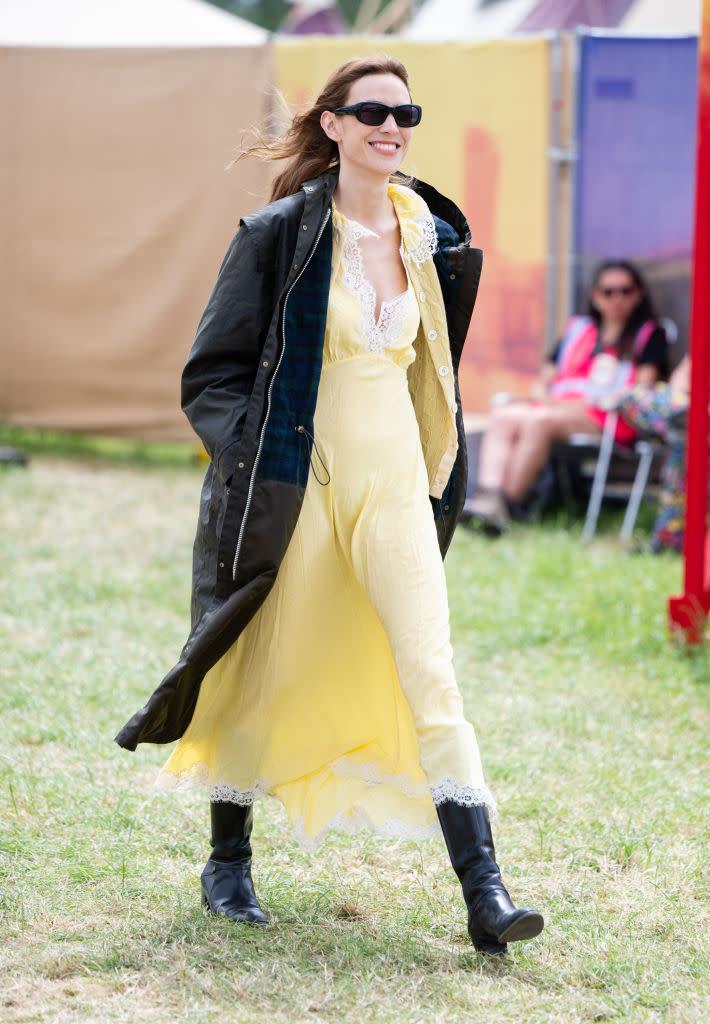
(116, 210)
(124, 23)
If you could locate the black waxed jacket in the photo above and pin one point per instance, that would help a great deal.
(249, 389)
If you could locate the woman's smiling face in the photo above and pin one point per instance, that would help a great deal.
(379, 149)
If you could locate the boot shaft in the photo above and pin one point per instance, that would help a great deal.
(469, 841)
(231, 830)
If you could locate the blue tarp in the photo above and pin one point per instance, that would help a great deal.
(636, 118)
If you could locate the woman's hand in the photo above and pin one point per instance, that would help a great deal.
(646, 375)
(541, 385)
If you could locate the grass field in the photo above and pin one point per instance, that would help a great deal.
(593, 729)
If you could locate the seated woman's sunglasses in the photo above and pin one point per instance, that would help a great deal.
(407, 115)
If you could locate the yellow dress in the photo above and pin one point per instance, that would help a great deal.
(339, 697)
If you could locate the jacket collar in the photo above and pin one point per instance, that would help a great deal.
(323, 187)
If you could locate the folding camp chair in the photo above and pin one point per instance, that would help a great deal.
(642, 452)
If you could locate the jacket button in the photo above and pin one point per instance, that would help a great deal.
(453, 277)
(443, 371)
(221, 565)
(309, 188)
(295, 266)
(241, 465)
(446, 508)
(265, 363)
(305, 227)
(432, 335)
(422, 296)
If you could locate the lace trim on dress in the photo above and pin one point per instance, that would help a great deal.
(387, 329)
(420, 241)
(350, 824)
(446, 790)
(451, 791)
(369, 773)
(221, 792)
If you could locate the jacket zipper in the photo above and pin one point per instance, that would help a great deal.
(250, 492)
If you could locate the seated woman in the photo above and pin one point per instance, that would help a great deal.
(618, 344)
(661, 410)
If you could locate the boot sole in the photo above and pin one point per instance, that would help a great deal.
(487, 944)
(526, 927)
(232, 917)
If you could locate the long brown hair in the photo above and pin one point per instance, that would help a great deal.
(305, 145)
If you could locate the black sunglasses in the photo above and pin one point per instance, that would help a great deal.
(407, 115)
(625, 290)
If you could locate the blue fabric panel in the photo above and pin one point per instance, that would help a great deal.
(636, 134)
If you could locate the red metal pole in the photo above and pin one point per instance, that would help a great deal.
(688, 613)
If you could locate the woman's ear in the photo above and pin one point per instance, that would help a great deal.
(329, 125)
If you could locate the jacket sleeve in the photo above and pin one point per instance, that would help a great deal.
(219, 374)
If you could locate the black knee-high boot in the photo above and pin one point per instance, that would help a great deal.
(493, 920)
(227, 886)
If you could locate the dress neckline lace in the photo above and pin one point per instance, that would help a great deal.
(382, 331)
(418, 244)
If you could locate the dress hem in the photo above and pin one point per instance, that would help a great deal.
(448, 790)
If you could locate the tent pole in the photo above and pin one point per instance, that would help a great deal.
(572, 255)
(555, 158)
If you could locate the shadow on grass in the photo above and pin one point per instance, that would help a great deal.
(306, 940)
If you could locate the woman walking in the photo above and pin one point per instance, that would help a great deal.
(322, 382)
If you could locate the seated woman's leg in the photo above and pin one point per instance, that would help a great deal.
(498, 442)
(488, 506)
(554, 421)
